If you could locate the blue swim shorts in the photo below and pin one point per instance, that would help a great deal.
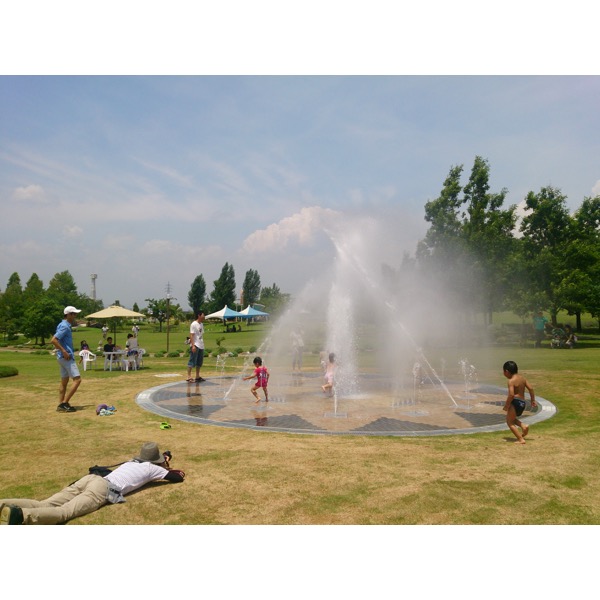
(519, 406)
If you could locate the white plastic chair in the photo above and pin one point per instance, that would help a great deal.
(88, 357)
(129, 362)
(140, 358)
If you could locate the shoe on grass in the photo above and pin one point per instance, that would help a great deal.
(11, 515)
(65, 407)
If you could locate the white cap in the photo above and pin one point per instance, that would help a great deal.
(71, 309)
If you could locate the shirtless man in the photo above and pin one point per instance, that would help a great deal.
(515, 401)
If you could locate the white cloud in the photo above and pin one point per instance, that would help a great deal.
(73, 231)
(596, 188)
(30, 193)
(300, 227)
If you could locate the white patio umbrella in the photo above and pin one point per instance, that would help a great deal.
(115, 312)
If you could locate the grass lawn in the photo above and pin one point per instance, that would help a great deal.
(153, 340)
(243, 477)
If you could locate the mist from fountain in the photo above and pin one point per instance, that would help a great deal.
(349, 311)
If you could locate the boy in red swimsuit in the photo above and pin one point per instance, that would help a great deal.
(262, 377)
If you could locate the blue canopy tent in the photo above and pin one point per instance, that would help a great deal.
(252, 312)
(226, 313)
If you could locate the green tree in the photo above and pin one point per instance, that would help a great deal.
(581, 261)
(224, 289)
(487, 231)
(41, 318)
(273, 299)
(443, 238)
(11, 307)
(197, 294)
(34, 290)
(157, 309)
(251, 287)
(63, 290)
(523, 299)
(469, 242)
(441, 254)
(546, 232)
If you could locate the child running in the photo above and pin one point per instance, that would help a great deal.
(329, 369)
(262, 377)
(515, 401)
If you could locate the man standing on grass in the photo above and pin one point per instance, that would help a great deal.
(196, 348)
(63, 342)
(539, 326)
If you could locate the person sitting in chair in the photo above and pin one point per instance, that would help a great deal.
(571, 337)
(109, 346)
(84, 346)
(131, 344)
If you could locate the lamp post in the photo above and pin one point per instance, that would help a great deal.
(169, 298)
(168, 303)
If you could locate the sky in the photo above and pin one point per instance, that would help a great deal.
(156, 147)
(149, 181)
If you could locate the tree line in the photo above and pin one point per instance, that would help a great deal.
(223, 293)
(490, 258)
(271, 298)
(35, 311)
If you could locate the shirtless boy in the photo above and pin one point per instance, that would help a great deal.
(515, 401)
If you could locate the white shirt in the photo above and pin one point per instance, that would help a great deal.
(133, 475)
(197, 330)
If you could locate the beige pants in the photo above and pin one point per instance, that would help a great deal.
(80, 498)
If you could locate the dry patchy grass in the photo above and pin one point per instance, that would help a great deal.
(237, 476)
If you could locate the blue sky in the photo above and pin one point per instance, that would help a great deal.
(158, 145)
(154, 180)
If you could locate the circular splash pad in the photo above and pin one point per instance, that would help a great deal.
(298, 405)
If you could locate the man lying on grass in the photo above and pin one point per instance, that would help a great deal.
(92, 491)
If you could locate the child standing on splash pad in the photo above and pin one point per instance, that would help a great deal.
(262, 378)
(329, 369)
(515, 401)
